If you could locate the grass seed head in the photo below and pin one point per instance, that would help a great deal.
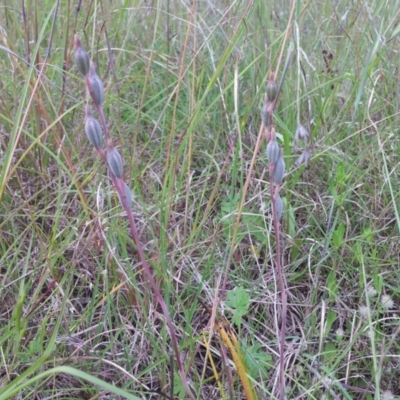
(387, 302)
(114, 161)
(387, 395)
(339, 333)
(96, 88)
(363, 310)
(81, 58)
(371, 292)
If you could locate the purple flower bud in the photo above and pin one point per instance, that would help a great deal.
(279, 170)
(114, 161)
(128, 196)
(95, 86)
(273, 151)
(272, 90)
(93, 132)
(279, 206)
(81, 58)
(265, 117)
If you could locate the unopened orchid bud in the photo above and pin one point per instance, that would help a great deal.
(272, 90)
(93, 132)
(279, 170)
(81, 58)
(273, 151)
(95, 86)
(128, 196)
(114, 161)
(279, 206)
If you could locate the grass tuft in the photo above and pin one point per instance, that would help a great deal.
(184, 108)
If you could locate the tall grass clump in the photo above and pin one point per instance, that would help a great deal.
(149, 248)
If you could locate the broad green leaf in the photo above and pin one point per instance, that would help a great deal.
(238, 299)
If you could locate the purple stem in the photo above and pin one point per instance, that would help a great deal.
(281, 281)
(118, 184)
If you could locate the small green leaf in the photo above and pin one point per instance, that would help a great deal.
(330, 319)
(340, 175)
(368, 235)
(337, 236)
(239, 300)
(332, 284)
(258, 361)
(230, 205)
(332, 190)
(330, 352)
(179, 389)
(227, 213)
